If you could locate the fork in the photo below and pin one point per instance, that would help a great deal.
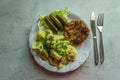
(100, 28)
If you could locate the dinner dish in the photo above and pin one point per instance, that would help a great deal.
(83, 51)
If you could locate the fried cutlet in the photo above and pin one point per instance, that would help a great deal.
(76, 32)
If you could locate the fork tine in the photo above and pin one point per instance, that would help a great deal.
(100, 19)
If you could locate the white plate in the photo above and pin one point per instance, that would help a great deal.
(83, 51)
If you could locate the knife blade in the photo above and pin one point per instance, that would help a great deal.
(93, 28)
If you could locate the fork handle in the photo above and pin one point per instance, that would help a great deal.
(96, 57)
(101, 49)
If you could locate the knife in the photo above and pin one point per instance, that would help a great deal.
(93, 28)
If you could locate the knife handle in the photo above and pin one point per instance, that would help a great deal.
(96, 57)
(101, 49)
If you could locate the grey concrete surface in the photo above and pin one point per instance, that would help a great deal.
(18, 16)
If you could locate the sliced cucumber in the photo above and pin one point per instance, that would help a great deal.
(56, 22)
(62, 20)
(50, 24)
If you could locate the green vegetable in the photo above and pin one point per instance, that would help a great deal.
(56, 22)
(62, 20)
(60, 45)
(50, 24)
(62, 12)
(60, 52)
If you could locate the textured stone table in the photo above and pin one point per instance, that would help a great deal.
(18, 16)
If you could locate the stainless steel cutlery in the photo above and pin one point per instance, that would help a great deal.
(100, 28)
(93, 28)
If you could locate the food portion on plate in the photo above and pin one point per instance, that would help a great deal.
(57, 37)
(76, 32)
(54, 48)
